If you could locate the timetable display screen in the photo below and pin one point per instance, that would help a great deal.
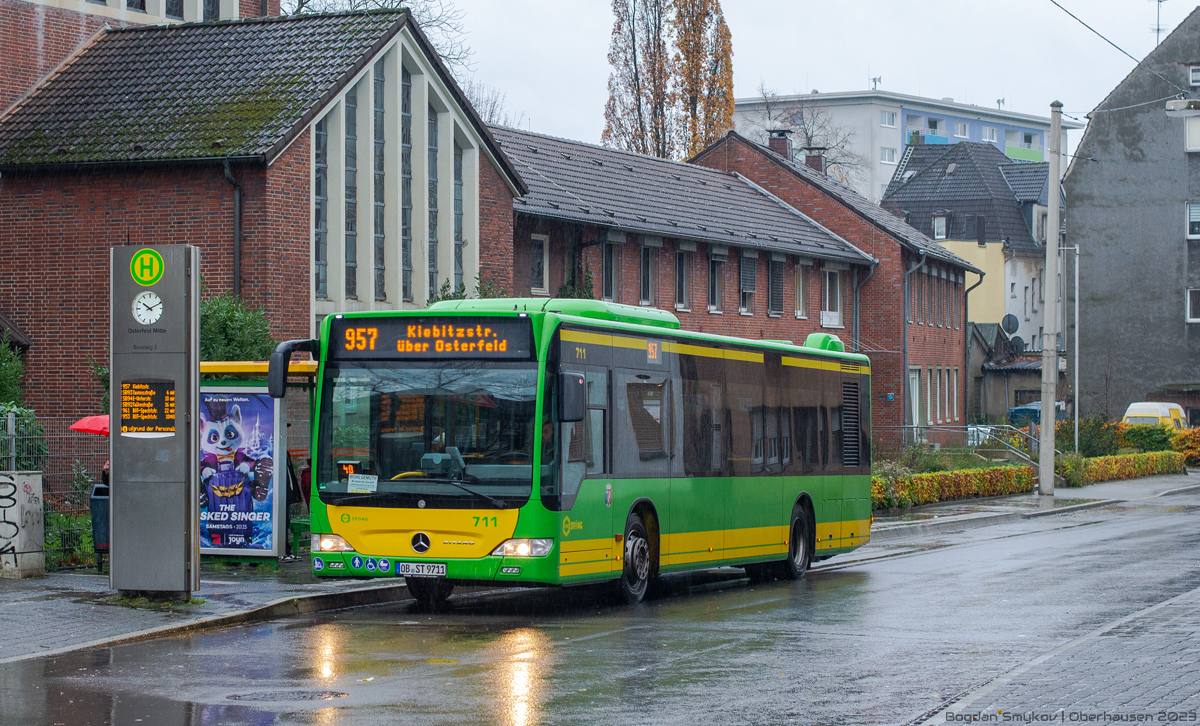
(432, 338)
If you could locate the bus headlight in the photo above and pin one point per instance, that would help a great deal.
(524, 548)
(330, 543)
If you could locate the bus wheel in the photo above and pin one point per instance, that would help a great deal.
(430, 593)
(635, 576)
(799, 552)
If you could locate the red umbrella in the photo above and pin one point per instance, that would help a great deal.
(92, 425)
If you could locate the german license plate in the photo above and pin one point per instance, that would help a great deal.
(421, 569)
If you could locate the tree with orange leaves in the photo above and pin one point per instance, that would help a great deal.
(704, 70)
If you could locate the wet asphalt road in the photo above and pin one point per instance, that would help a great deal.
(879, 641)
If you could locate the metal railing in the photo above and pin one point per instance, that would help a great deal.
(1020, 443)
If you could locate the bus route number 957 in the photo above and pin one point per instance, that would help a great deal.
(361, 338)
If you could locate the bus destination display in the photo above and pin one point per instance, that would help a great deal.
(432, 338)
(147, 408)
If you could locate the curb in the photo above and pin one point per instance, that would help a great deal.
(283, 607)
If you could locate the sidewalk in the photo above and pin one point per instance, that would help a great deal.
(66, 610)
(970, 513)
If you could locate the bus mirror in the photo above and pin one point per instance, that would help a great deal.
(281, 360)
(572, 397)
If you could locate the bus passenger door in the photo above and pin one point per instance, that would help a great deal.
(697, 502)
(586, 521)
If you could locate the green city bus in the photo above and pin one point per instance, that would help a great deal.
(562, 442)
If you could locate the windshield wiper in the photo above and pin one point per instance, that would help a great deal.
(499, 503)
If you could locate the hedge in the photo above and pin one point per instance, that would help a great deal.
(910, 489)
(1130, 466)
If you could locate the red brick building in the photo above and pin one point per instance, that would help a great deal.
(913, 306)
(321, 163)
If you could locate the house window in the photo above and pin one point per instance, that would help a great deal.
(747, 277)
(351, 194)
(608, 271)
(1041, 227)
(716, 282)
(955, 395)
(433, 200)
(801, 291)
(1193, 220)
(458, 218)
(960, 129)
(321, 210)
(1027, 139)
(1194, 75)
(539, 250)
(888, 119)
(174, 9)
(683, 280)
(649, 256)
(929, 396)
(775, 287)
(989, 133)
(831, 299)
(937, 127)
(212, 10)
(937, 398)
(380, 268)
(406, 209)
(922, 286)
(887, 156)
(1193, 306)
(939, 227)
(1193, 133)
(139, 5)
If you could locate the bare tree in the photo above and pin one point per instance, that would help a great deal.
(440, 20)
(491, 104)
(812, 126)
(641, 113)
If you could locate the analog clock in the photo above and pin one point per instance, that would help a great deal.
(147, 308)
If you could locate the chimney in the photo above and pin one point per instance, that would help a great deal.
(780, 143)
(814, 156)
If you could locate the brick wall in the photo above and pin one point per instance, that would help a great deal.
(35, 39)
(495, 227)
(54, 277)
(882, 301)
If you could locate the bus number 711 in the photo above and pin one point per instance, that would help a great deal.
(485, 521)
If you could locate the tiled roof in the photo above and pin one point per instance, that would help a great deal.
(204, 91)
(877, 215)
(964, 179)
(643, 194)
(190, 91)
(1028, 180)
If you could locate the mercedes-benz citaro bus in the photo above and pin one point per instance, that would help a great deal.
(559, 442)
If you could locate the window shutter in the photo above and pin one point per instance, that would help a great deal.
(746, 272)
(851, 446)
(775, 296)
(1193, 219)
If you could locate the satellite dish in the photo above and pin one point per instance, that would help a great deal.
(1010, 323)
(1018, 345)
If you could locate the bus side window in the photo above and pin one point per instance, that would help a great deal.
(823, 435)
(701, 379)
(641, 444)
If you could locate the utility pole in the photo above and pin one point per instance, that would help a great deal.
(1050, 311)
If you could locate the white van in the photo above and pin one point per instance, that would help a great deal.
(1156, 413)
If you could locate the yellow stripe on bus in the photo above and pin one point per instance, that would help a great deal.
(699, 350)
(668, 346)
(826, 365)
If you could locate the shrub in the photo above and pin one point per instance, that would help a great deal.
(1109, 468)
(11, 371)
(230, 330)
(1187, 442)
(1147, 437)
(1071, 468)
(1097, 435)
(31, 439)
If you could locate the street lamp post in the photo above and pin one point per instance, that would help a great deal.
(1050, 312)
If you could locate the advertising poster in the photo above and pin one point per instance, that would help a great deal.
(241, 504)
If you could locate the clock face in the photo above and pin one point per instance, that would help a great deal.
(147, 308)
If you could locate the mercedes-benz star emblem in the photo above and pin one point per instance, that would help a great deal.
(420, 543)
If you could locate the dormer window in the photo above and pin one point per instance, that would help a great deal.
(1194, 75)
(939, 226)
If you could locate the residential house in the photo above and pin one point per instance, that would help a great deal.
(1002, 375)
(322, 163)
(913, 306)
(880, 126)
(985, 208)
(1135, 215)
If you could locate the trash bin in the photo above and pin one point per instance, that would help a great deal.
(99, 504)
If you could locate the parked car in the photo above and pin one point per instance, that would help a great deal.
(1021, 416)
(1156, 413)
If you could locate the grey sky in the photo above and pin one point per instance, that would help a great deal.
(550, 56)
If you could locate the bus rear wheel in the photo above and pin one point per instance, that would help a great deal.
(799, 547)
(429, 592)
(635, 575)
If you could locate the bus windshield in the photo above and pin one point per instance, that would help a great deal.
(448, 434)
